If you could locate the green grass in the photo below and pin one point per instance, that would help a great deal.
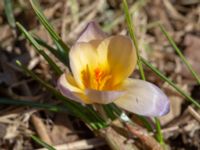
(42, 143)
(39, 49)
(37, 105)
(62, 48)
(8, 5)
(133, 37)
(178, 51)
(87, 114)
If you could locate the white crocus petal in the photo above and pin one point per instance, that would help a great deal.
(143, 98)
(67, 86)
(103, 97)
(92, 32)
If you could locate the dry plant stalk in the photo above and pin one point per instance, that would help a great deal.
(144, 137)
(41, 129)
(117, 137)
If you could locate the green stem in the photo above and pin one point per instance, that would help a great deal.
(102, 112)
(159, 135)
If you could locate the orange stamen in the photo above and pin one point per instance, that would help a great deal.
(98, 74)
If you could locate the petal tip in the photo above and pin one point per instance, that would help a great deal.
(60, 85)
(64, 90)
(166, 107)
(163, 103)
(92, 31)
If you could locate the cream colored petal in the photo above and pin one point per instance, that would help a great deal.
(92, 32)
(103, 97)
(143, 98)
(83, 55)
(68, 87)
(119, 54)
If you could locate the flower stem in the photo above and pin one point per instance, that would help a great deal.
(159, 135)
(102, 112)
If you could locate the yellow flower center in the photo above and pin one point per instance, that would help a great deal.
(98, 78)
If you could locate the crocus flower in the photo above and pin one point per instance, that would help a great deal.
(100, 69)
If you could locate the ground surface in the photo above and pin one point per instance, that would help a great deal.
(181, 127)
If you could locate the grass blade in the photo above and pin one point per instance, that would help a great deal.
(163, 77)
(159, 136)
(42, 143)
(54, 51)
(49, 87)
(112, 23)
(133, 37)
(178, 51)
(39, 50)
(37, 105)
(84, 112)
(62, 47)
(9, 13)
